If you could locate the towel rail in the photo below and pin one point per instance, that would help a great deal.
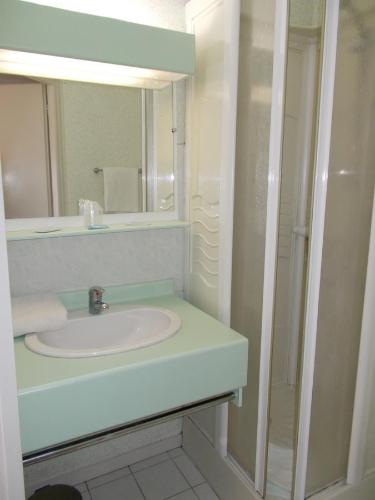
(97, 170)
(143, 423)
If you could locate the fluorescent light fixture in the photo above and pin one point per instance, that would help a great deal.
(64, 68)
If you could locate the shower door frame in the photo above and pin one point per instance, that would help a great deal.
(327, 79)
(319, 197)
(280, 50)
(356, 466)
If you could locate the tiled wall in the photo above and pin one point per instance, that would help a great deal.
(76, 262)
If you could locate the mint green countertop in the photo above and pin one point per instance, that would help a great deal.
(61, 399)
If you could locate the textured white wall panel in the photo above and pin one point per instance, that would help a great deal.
(71, 263)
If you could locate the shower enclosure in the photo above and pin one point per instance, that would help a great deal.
(302, 253)
(305, 174)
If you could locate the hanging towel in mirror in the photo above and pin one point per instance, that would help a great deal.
(120, 189)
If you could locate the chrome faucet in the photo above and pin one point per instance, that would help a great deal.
(96, 304)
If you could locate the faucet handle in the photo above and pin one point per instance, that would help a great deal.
(96, 292)
(96, 304)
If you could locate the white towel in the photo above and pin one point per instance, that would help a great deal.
(120, 189)
(37, 313)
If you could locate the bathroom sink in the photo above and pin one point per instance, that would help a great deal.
(122, 328)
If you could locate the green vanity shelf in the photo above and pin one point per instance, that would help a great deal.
(32, 234)
(62, 399)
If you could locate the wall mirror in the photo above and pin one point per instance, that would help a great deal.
(61, 141)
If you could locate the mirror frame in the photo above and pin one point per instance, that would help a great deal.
(60, 222)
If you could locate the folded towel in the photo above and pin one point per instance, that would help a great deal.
(121, 187)
(37, 313)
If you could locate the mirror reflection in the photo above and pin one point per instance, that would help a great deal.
(62, 141)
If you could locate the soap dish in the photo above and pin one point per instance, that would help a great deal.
(43, 230)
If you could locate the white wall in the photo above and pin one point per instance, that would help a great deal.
(212, 101)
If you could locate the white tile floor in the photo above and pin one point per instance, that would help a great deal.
(171, 476)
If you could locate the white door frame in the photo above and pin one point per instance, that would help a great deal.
(316, 242)
(272, 224)
(227, 169)
(11, 472)
(231, 61)
(232, 10)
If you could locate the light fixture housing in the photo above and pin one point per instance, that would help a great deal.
(47, 42)
(64, 68)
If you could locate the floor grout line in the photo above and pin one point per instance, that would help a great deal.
(185, 477)
(105, 474)
(88, 490)
(149, 466)
(139, 486)
(183, 491)
(167, 458)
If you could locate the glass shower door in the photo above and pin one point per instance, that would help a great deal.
(250, 209)
(300, 112)
(324, 223)
(257, 37)
(349, 203)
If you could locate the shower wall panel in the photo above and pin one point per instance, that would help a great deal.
(253, 129)
(345, 251)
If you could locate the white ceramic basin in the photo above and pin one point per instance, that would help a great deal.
(122, 328)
